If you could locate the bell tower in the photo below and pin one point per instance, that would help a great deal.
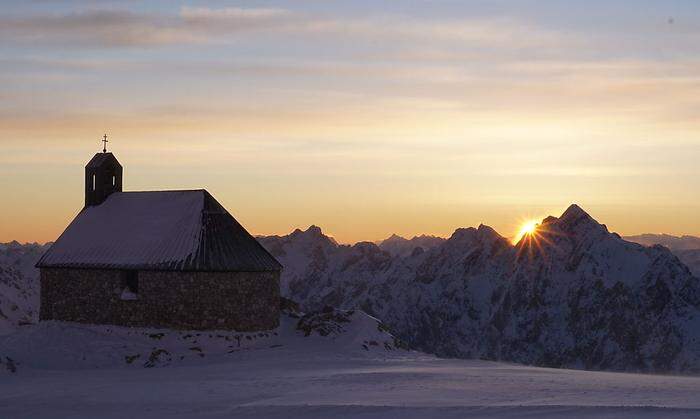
(103, 176)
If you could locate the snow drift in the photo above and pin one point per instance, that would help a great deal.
(62, 345)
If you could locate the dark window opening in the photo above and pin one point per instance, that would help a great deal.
(130, 285)
(131, 281)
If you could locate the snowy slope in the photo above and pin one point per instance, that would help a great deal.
(687, 248)
(19, 284)
(691, 258)
(580, 297)
(61, 345)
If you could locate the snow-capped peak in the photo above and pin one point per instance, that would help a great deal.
(574, 217)
(394, 238)
(314, 230)
(574, 224)
(312, 234)
(574, 211)
(483, 235)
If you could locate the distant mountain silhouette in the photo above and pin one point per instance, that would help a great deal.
(399, 246)
(687, 248)
(672, 242)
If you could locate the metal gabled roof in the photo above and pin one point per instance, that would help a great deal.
(160, 230)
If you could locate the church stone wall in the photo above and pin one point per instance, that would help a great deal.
(243, 301)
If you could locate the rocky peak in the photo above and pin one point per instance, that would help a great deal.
(312, 235)
(462, 234)
(483, 235)
(574, 215)
(575, 222)
(574, 211)
(487, 233)
(13, 245)
(314, 230)
(400, 246)
(366, 247)
(394, 238)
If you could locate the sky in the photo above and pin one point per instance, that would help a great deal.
(365, 118)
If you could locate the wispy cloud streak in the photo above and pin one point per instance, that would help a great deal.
(114, 28)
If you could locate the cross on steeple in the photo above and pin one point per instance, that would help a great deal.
(104, 141)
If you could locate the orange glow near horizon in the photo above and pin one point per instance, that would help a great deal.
(429, 122)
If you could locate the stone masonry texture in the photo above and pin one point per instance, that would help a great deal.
(242, 301)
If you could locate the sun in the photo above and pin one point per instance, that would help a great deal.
(526, 229)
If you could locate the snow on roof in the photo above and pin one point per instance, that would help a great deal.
(163, 230)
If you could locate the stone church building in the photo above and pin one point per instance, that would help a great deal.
(172, 259)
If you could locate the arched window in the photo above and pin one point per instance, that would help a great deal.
(94, 181)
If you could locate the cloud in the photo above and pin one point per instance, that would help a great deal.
(205, 14)
(95, 28)
(385, 70)
(499, 32)
(193, 25)
(115, 28)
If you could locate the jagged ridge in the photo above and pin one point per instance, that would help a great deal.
(576, 296)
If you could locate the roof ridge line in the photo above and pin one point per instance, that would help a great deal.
(167, 190)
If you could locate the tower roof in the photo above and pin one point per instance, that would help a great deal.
(101, 158)
(162, 230)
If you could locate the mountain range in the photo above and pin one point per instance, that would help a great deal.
(571, 295)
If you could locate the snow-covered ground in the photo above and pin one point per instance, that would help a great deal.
(52, 345)
(286, 382)
(347, 367)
